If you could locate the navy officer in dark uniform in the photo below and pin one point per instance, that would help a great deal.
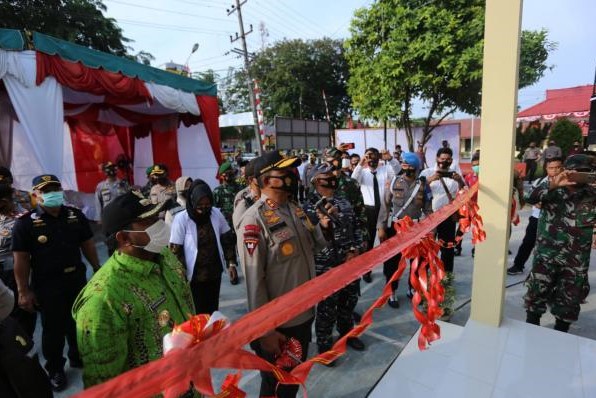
(49, 271)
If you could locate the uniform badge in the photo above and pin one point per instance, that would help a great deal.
(274, 219)
(271, 204)
(42, 239)
(251, 244)
(5, 232)
(283, 235)
(163, 319)
(252, 229)
(287, 248)
(38, 222)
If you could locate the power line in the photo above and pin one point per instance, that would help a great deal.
(283, 19)
(284, 30)
(187, 29)
(168, 11)
(298, 14)
(208, 4)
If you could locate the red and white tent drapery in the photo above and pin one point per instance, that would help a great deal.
(67, 119)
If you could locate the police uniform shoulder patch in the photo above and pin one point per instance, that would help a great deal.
(251, 237)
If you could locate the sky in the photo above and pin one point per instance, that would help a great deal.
(169, 28)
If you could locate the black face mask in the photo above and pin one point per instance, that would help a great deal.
(111, 173)
(373, 163)
(329, 182)
(410, 172)
(203, 213)
(183, 194)
(290, 182)
(445, 164)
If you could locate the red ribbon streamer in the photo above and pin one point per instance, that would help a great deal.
(223, 350)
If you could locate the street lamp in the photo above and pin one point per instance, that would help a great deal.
(195, 47)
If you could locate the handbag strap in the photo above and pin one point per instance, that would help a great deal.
(446, 190)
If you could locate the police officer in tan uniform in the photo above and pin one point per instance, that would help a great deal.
(276, 243)
(163, 188)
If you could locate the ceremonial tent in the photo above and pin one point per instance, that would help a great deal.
(66, 109)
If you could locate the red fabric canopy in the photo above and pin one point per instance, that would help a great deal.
(117, 88)
(210, 114)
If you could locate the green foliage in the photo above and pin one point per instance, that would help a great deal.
(405, 51)
(78, 21)
(565, 132)
(293, 74)
(234, 92)
(534, 51)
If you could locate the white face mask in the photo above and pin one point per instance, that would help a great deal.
(159, 237)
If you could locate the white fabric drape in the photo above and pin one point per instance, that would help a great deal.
(41, 114)
(143, 159)
(177, 100)
(20, 65)
(196, 157)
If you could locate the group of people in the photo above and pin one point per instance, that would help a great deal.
(284, 220)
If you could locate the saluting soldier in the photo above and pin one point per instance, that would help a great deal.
(110, 188)
(346, 243)
(559, 275)
(46, 245)
(276, 242)
(407, 196)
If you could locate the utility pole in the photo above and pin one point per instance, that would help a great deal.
(251, 94)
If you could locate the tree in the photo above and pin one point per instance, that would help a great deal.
(564, 132)
(293, 74)
(77, 21)
(234, 92)
(405, 51)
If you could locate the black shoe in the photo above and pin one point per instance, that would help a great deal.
(515, 270)
(356, 343)
(393, 303)
(410, 293)
(75, 363)
(58, 380)
(457, 251)
(367, 277)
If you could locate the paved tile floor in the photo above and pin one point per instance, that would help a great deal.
(358, 372)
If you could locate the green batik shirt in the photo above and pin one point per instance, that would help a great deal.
(124, 312)
(223, 198)
(349, 189)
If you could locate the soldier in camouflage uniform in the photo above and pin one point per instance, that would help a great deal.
(559, 275)
(223, 195)
(349, 189)
(345, 244)
(407, 196)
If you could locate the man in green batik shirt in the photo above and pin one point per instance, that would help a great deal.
(135, 298)
(223, 195)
